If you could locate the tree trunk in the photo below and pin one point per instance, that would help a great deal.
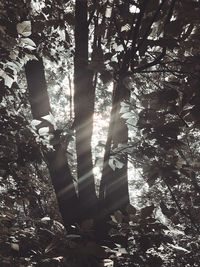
(62, 179)
(114, 183)
(84, 94)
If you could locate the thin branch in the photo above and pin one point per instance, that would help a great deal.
(179, 73)
(153, 63)
(187, 34)
(151, 80)
(159, 58)
(185, 123)
(123, 148)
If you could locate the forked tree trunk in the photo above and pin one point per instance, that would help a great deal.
(84, 94)
(62, 179)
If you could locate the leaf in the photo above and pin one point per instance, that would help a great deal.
(124, 109)
(106, 76)
(154, 260)
(127, 115)
(174, 28)
(24, 28)
(118, 48)
(50, 247)
(8, 81)
(107, 263)
(130, 209)
(166, 211)
(119, 164)
(94, 249)
(31, 57)
(179, 248)
(126, 27)
(69, 18)
(132, 121)
(2, 29)
(167, 42)
(108, 56)
(121, 251)
(147, 211)
(28, 43)
(34, 123)
(43, 131)
(118, 216)
(44, 219)
(49, 118)
(111, 163)
(113, 218)
(14, 246)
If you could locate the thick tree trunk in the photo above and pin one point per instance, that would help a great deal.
(114, 184)
(62, 179)
(84, 94)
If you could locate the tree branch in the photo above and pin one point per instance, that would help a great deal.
(158, 59)
(185, 123)
(153, 63)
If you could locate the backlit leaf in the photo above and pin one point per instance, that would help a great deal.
(24, 28)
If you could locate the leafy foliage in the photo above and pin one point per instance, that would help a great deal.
(141, 240)
(152, 48)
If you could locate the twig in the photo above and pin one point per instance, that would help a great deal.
(153, 63)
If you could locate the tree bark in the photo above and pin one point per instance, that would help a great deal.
(114, 183)
(62, 179)
(84, 94)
